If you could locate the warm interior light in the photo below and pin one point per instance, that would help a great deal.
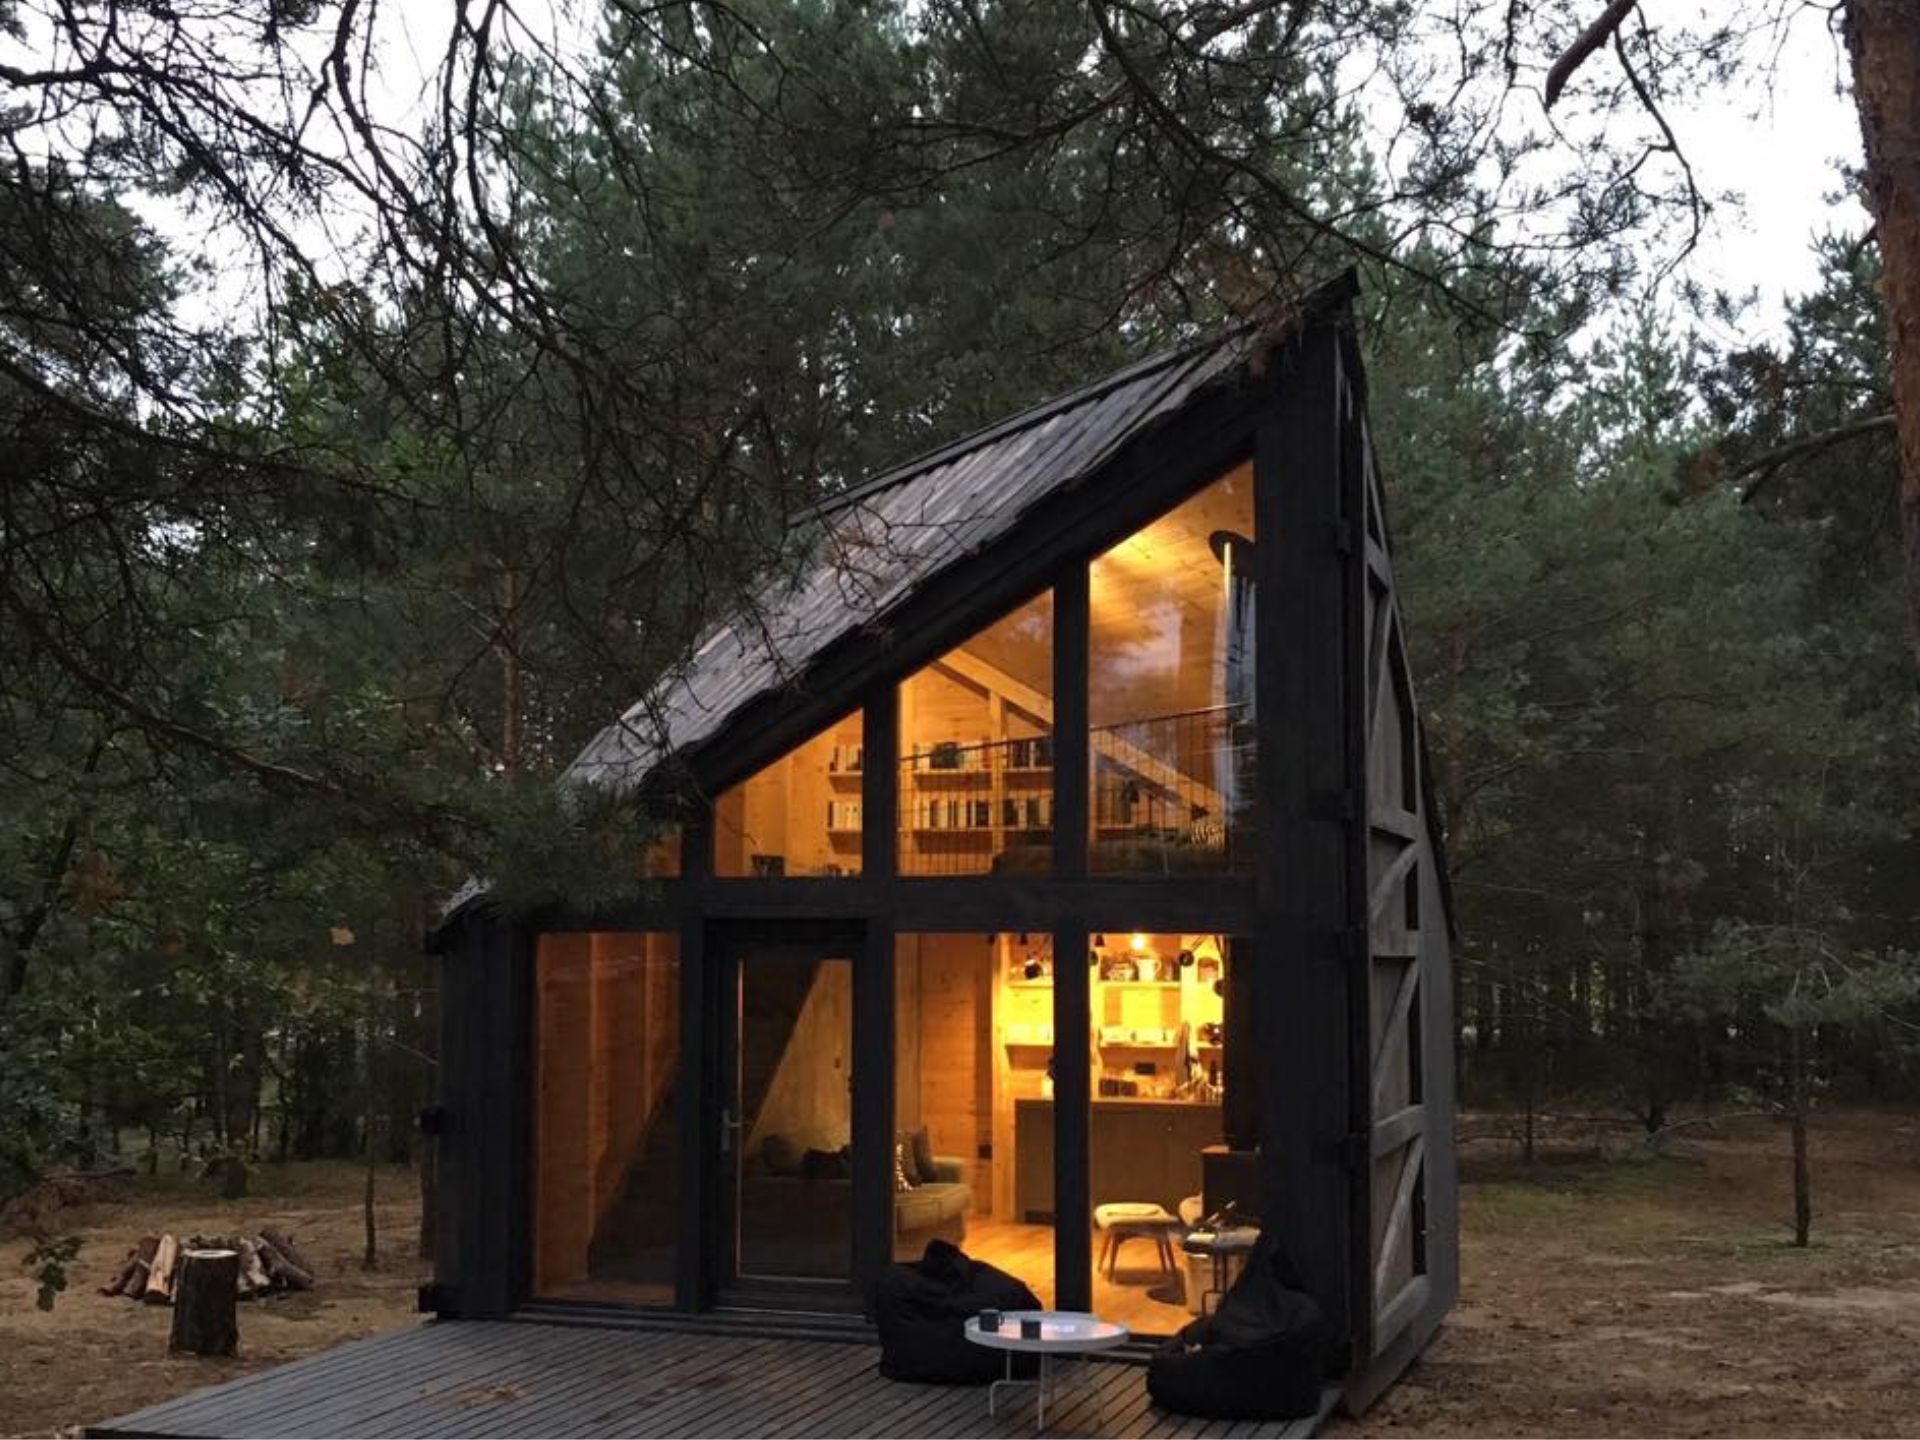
(1139, 942)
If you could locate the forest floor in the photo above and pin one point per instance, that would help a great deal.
(1630, 1295)
(1661, 1295)
(92, 1357)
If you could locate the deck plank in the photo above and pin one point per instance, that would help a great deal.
(505, 1380)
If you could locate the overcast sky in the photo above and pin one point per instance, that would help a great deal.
(1777, 143)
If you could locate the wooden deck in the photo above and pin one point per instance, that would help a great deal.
(512, 1379)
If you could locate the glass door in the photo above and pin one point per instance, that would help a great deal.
(787, 1123)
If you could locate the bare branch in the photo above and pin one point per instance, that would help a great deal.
(1590, 40)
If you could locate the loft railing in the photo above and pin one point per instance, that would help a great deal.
(1170, 793)
(1174, 793)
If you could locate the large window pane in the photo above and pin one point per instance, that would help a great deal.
(1158, 1167)
(606, 1138)
(800, 815)
(973, 1101)
(976, 752)
(794, 1100)
(1170, 690)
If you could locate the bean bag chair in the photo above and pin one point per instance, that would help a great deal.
(1262, 1355)
(921, 1310)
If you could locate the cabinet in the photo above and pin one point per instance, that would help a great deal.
(1140, 1150)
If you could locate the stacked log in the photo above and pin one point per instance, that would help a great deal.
(264, 1262)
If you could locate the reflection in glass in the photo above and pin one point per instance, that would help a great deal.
(606, 1137)
(1170, 689)
(793, 1101)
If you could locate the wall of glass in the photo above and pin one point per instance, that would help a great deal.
(798, 816)
(1170, 690)
(973, 1100)
(1158, 1169)
(976, 752)
(606, 1135)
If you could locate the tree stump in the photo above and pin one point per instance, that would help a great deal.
(205, 1303)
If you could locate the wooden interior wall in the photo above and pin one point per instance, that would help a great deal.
(563, 1198)
(1020, 1038)
(606, 1016)
(945, 1009)
(808, 1100)
(782, 810)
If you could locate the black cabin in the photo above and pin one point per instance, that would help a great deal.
(1059, 841)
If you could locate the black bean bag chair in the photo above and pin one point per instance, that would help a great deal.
(921, 1311)
(1262, 1355)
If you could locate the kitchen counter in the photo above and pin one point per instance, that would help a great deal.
(1140, 1149)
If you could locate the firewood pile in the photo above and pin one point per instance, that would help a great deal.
(268, 1261)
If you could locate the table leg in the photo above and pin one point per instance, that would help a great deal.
(1046, 1375)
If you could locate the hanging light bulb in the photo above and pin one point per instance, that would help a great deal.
(1139, 942)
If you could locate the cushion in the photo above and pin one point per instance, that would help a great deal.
(902, 1180)
(923, 1156)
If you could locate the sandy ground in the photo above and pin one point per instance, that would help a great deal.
(93, 1357)
(1652, 1296)
(1663, 1298)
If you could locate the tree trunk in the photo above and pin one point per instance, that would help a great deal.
(1883, 41)
(1797, 1103)
(205, 1318)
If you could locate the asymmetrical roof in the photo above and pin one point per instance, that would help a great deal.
(884, 539)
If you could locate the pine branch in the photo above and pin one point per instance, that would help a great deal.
(1591, 39)
(1764, 467)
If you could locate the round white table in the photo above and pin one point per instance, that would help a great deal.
(1062, 1333)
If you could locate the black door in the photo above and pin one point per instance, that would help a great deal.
(786, 1125)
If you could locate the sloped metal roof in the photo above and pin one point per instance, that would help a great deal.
(884, 539)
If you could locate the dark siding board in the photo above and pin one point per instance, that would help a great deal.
(1302, 995)
(696, 1102)
(1072, 642)
(1353, 499)
(1072, 1127)
(873, 1099)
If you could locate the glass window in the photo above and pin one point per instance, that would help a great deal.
(800, 815)
(973, 1100)
(1170, 690)
(976, 752)
(1158, 1168)
(606, 1137)
(793, 1096)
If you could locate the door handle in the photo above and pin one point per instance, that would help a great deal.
(728, 1125)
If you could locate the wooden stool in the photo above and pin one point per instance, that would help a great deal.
(1122, 1221)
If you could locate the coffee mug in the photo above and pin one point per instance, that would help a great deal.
(989, 1320)
(1029, 1329)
